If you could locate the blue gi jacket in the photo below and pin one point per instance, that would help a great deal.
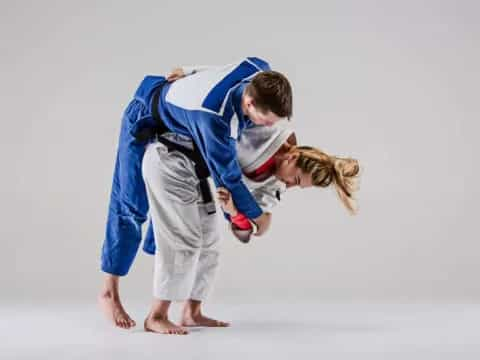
(207, 107)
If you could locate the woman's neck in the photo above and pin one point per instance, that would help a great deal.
(278, 157)
(280, 154)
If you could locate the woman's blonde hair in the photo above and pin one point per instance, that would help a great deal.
(325, 169)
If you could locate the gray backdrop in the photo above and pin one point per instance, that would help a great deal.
(393, 84)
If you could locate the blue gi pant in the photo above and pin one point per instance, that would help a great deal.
(128, 200)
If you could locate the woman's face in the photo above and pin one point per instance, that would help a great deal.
(290, 174)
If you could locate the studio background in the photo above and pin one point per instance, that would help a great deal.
(392, 84)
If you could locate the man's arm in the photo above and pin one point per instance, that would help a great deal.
(211, 135)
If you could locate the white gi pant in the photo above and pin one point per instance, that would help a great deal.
(186, 237)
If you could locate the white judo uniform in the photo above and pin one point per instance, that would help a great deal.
(186, 236)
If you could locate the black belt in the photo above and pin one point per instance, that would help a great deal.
(201, 168)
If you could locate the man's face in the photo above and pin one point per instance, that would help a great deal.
(260, 117)
(290, 174)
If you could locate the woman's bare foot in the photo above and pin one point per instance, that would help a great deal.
(192, 316)
(163, 326)
(109, 301)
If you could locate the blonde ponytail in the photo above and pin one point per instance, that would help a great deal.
(325, 169)
(346, 181)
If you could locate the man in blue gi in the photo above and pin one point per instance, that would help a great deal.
(212, 107)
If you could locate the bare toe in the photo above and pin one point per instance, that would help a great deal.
(162, 326)
(114, 311)
(203, 321)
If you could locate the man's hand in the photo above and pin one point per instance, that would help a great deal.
(175, 74)
(263, 223)
(226, 201)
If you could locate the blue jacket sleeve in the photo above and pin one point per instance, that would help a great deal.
(211, 134)
(260, 63)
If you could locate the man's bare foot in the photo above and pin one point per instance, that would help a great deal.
(192, 316)
(114, 311)
(200, 320)
(163, 326)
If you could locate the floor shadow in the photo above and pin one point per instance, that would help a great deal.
(299, 326)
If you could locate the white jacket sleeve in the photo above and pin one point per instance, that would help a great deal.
(267, 193)
(192, 69)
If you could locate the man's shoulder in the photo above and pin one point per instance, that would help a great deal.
(208, 90)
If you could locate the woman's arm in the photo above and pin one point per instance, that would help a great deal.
(180, 72)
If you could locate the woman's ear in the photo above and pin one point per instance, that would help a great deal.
(286, 147)
(292, 156)
(292, 139)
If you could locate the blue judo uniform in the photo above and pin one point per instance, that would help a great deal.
(206, 107)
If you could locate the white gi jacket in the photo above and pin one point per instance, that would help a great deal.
(256, 145)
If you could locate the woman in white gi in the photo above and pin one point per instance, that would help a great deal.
(186, 237)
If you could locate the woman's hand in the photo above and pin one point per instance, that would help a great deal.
(263, 223)
(226, 201)
(175, 74)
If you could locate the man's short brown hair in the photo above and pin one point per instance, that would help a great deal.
(271, 90)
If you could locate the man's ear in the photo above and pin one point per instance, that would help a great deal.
(249, 102)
